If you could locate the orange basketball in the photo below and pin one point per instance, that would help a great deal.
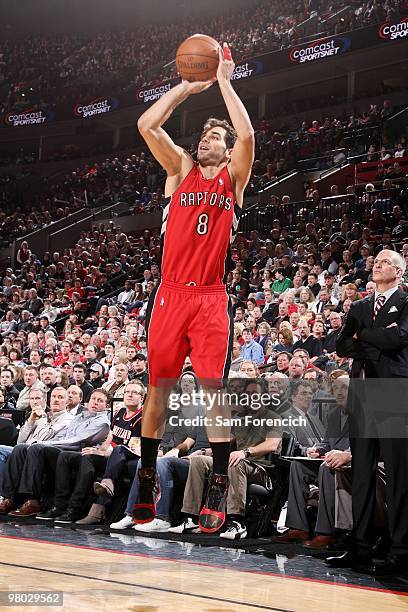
(197, 58)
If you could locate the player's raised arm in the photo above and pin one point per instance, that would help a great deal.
(168, 154)
(242, 155)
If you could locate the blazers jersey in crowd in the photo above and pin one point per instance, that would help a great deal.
(199, 222)
(124, 428)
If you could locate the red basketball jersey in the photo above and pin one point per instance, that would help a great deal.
(198, 223)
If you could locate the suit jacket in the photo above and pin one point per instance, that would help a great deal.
(336, 436)
(270, 313)
(304, 435)
(381, 351)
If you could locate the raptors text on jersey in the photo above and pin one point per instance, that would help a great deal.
(199, 222)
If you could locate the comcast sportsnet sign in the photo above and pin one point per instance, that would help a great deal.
(320, 49)
(394, 31)
(28, 117)
(246, 70)
(151, 94)
(100, 106)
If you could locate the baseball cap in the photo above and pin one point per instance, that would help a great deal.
(96, 367)
(140, 356)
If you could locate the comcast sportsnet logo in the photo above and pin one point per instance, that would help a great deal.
(320, 49)
(28, 117)
(99, 106)
(393, 31)
(248, 69)
(151, 94)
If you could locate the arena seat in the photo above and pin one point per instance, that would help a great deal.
(264, 503)
(8, 432)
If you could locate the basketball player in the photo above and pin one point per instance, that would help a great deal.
(190, 311)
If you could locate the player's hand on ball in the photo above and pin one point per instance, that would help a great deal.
(198, 86)
(226, 65)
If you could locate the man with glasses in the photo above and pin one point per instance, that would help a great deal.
(110, 459)
(30, 467)
(329, 342)
(39, 426)
(375, 335)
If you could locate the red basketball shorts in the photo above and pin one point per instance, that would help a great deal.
(188, 320)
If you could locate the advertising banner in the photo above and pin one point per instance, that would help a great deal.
(28, 117)
(320, 49)
(243, 70)
(151, 93)
(394, 31)
(98, 106)
(332, 46)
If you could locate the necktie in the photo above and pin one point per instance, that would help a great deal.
(379, 303)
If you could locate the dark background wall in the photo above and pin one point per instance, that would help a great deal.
(24, 16)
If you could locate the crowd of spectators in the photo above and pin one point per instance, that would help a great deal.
(73, 350)
(43, 71)
(29, 204)
(136, 179)
(321, 143)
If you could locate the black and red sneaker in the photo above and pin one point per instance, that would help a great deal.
(212, 516)
(144, 509)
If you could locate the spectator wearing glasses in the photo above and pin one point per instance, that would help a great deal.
(118, 454)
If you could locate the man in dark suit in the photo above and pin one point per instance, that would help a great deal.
(329, 342)
(335, 453)
(270, 309)
(375, 335)
(308, 430)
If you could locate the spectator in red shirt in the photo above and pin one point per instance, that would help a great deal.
(64, 354)
(77, 288)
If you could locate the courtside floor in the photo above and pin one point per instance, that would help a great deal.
(97, 571)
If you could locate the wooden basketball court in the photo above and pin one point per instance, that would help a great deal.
(96, 579)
